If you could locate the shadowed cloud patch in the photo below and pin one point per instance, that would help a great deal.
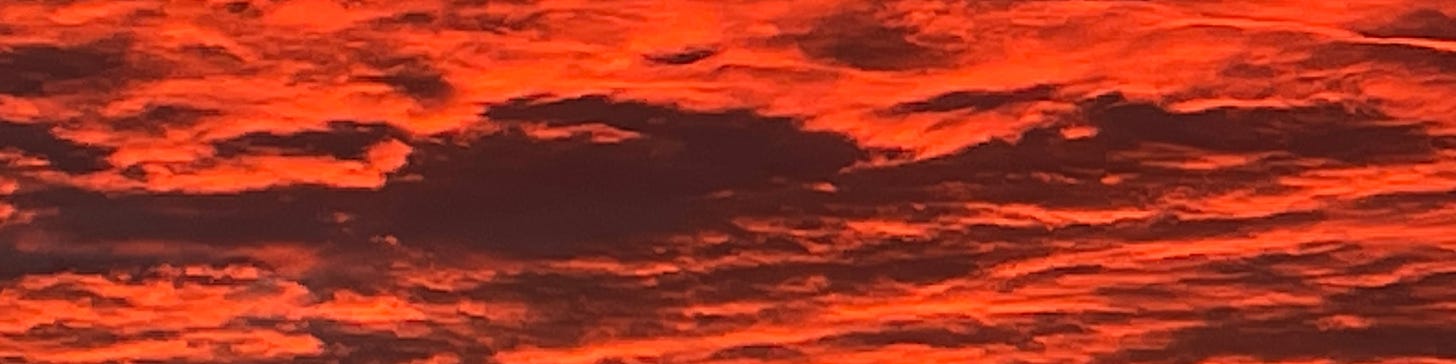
(40, 141)
(157, 119)
(758, 352)
(1404, 56)
(1045, 167)
(413, 78)
(341, 140)
(1296, 340)
(352, 345)
(512, 193)
(682, 57)
(287, 215)
(30, 68)
(1421, 23)
(973, 100)
(506, 192)
(932, 334)
(989, 181)
(861, 41)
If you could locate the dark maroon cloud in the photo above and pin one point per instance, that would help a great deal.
(1004, 171)
(1006, 181)
(507, 193)
(860, 40)
(39, 140)
(682, 57)
(935, 335)
(1295, 340)
(343, 140)
(973, 100)
(1420, 23)
(568, 195)
(30, 68)
(300, 215)
(758, 352)
(412, 77)
(156, 119)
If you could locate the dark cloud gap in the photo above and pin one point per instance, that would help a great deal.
(1292, 333)
(725, 137)
(527, 195)
(943, 335)
(733, 247)
(302, 214)
(1407, 202)
(39, 140)
(71, 293)
(412, 18)
(156, 119)
(1003, 171)
(1416, 58)
(997, 171)
(855, 272)
(342, 140)
(641, 359)
(1422, 23)
(1399, 298)
(1346, 134)
(506, 193)
(415, 79)
(351, 345)
(972, 100)
(1167, 227)
(236, 7)
(1248, 276)
(860, 41)
(682, 57)
(15, 263)
(1295, 339)
(757, 352)
(499, 24)
(29, 68)
(1051, 274)
(81, 337)
(565, 306)
(65, 254)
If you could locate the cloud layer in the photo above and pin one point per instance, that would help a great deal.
(562, 181)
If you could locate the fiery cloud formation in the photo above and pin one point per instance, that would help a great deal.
(614, 182)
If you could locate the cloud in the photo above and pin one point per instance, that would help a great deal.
(860, 40)
(757, 352)
(555, 181)
(506, 192)
(938, 336)
(64, 155)
(415, 79)
(684, 57)
(1283, 340)
(34, 67)
(974, 100)
(1422, 23)
(517, 194)
(342, 140)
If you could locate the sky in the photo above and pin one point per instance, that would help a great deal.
(727, 181)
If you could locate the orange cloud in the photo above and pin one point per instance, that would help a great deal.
(828, 181)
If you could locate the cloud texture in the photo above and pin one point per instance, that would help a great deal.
(827, 181)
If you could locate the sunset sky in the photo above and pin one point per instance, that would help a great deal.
(727, 181)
